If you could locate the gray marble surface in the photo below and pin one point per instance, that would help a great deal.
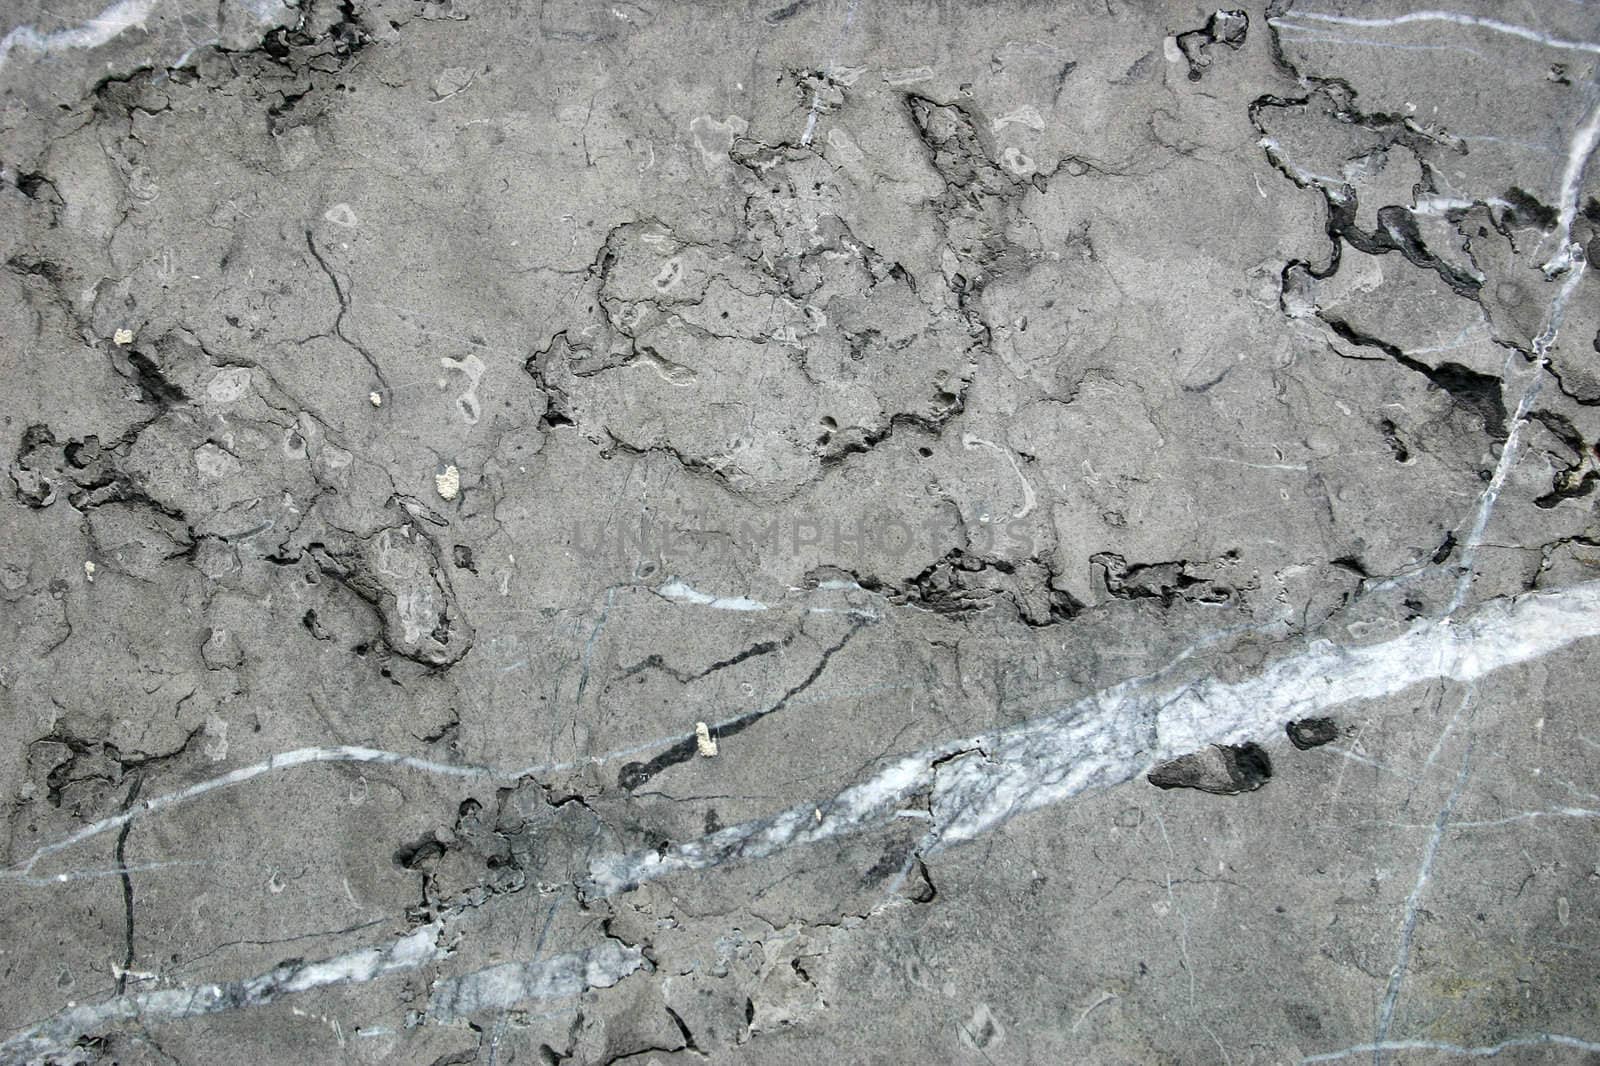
(871, 532)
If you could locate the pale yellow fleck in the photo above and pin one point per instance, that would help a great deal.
(703, 740)
(123, 336)
(448, 482)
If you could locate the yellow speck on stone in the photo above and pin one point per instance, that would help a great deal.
(448, 482)
(376, 398)
(123, 336)
(88, 571)
(703, 741)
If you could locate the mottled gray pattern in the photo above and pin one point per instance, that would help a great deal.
(591, 532)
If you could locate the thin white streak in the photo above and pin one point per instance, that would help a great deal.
(1432, 205)
(811, 120)
(1569, 259)
(1365, 761)
(1091, 1008)
(1527, 146)
(1298, 468)
(348, 754)
(1511, 447)
(183, 60)
(679, 592)
(1528, 816)
(589, 646)
(1461, 340)
(1446, 16)
(1578, 154)
(110, 871)
(969, 442)
(1484, 1052)
(816, 95)
(284, 760)
(1408, 925)
(1309, 35)
(1334, 187)
(1482, 823)
(1183, 942)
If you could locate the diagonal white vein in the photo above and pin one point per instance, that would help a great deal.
(977, 783)
(1456, 17)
